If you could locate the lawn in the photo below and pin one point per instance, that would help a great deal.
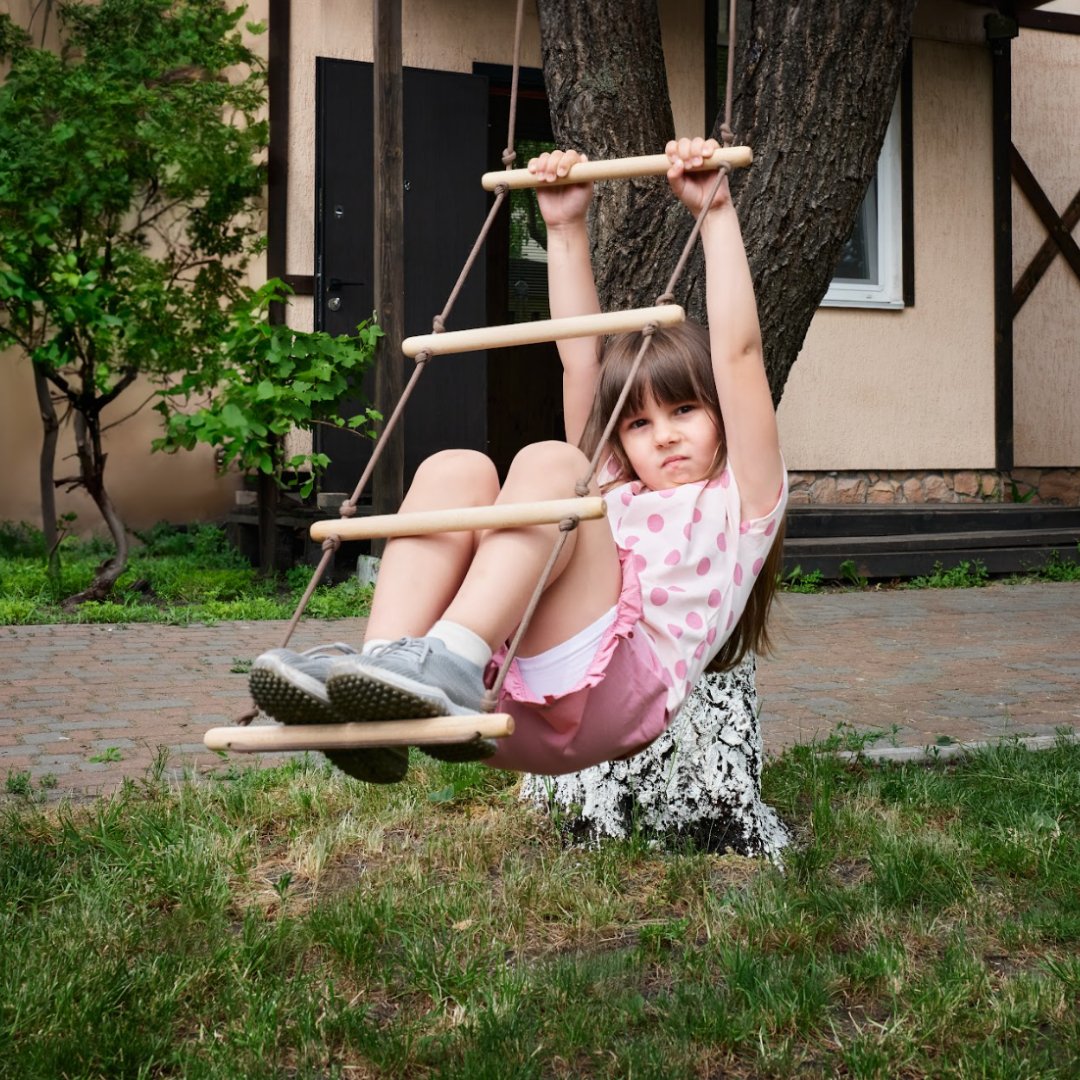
(290, 922)
(180, 575)
(175, 575)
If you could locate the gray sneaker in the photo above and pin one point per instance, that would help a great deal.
(410, 679)
(291, 687)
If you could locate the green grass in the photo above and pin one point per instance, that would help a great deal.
(965, 575)
(177, 576)
(292, 923)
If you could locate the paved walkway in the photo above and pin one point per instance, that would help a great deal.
(90, 705)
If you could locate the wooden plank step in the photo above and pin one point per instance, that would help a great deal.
(736, 157)
(435, 731)
(852, 546)
(532, 333)
(831, 520)
(916, 562)
(460, 519)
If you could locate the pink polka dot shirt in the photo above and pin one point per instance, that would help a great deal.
(696, 564)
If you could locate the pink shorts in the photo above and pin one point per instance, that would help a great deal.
(617, 709)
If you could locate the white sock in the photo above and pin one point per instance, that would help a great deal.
(462, 641)
(374, 643)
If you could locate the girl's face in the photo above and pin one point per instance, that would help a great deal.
(669, 444)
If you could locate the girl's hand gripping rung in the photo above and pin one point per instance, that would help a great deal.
(267, 739)
(529, 333)
(738, 157)
(470, 518)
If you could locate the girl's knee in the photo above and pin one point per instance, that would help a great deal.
(468, 471)
(552, 458)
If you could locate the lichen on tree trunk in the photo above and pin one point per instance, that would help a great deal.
(698, 785)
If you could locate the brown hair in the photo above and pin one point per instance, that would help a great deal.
(677, 367)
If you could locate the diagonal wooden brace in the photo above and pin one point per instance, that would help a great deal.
(467, 518)
(529, 333)
(435, 731)
(737, 157)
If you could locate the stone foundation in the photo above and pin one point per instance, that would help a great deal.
(1048, 487)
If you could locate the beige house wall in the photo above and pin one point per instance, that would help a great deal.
(914, 389)
(1046, 334)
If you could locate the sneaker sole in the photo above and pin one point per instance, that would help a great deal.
(289, 703)
(374, 764)
(376, 695)
(372, 695)
(284, 700)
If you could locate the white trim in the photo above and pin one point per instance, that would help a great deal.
(887, 249)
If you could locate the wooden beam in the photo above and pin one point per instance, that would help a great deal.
(738, 157)
(1046, 254)
(460, 519)
(436, 731)
(277, 163)
(1045, 210)
(389, 231)
(530, 333)
(1001, 112)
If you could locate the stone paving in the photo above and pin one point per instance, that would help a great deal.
(87, 706)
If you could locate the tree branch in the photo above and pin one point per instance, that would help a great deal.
(129, 376)
(137, 409)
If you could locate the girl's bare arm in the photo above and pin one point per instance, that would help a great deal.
(571, 287)
(734, 334)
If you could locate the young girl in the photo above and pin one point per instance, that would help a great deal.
(677, 578)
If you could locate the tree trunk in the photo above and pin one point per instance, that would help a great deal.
(92, 460)
(269, 497)
(814, 86)
(698, 785)
(50, 424)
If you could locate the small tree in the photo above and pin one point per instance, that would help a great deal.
(261, 381)
(130, 189)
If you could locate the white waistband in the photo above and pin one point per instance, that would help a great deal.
(559, 669)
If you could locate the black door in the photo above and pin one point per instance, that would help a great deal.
(445, 153)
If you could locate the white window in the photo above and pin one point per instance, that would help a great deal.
(870, 270)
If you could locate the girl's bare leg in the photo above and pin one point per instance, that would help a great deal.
(419, 575)
(508, 562)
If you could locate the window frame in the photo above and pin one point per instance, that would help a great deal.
(896, 220)
(887, 291)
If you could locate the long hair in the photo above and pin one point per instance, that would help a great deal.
(677, 367)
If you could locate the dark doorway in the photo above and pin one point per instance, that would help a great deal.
(445, 153)
(524, 388)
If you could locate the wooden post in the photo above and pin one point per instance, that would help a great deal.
(389, 234)
(1000, 30)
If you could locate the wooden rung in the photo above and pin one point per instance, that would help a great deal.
(738, 157)
(436, 731)
(529, 333)
(422, 522)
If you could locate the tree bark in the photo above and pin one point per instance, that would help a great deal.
(92, 460)
(50, 425)
(698, 785)
(814, 86)
(269, 498)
